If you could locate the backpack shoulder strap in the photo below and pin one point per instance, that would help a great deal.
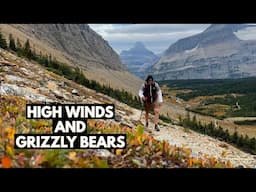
(157, 86)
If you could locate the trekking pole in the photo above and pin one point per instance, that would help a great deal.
(141, 114)
(142, 105)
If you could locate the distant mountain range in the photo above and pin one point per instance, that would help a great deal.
(221, 51)
(138, 59)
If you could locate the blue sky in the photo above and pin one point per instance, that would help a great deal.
(156, 37)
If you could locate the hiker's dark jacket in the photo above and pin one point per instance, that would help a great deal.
(152, 93)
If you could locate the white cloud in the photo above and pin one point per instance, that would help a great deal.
(156, 37)
(156, 28)
(101, 28)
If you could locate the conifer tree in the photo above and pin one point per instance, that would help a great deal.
(12, 44)
(27, 50)
(3, 43)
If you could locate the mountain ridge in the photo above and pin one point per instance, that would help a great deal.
(216, 53)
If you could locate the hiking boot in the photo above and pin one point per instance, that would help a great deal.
(157, 127)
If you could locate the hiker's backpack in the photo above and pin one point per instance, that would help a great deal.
(150, 92)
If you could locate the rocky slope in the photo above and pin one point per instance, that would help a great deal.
(221, 51)
(30, 81)
(77, 45)
(138, 59)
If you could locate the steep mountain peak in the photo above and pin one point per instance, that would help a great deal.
(221, 27)
(220, 51)
(139, 48)
(215, 27)
(214, 34)
(138, 59)
(139, 44)
(77, 42)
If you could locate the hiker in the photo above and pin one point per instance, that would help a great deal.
(151, 95)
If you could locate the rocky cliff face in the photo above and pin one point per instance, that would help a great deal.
(218, 52)
(77, 45)
(138, 59)
(79, 42)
